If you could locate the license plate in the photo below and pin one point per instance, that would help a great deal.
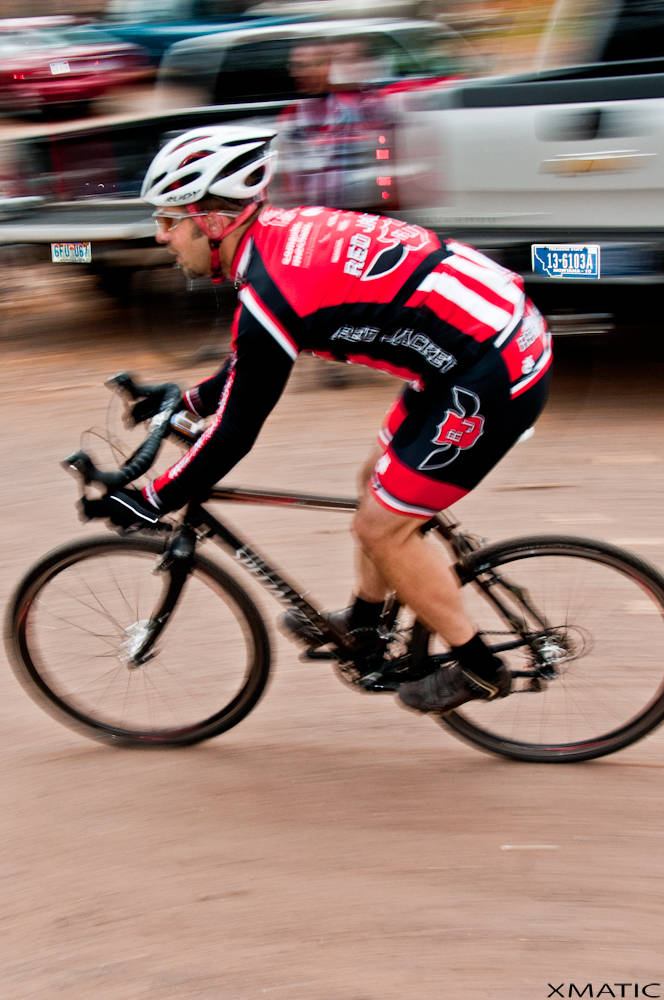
(566, 260)
(59, 67)
(71, 253)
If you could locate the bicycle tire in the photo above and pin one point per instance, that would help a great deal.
(609, 687)
(71, 624)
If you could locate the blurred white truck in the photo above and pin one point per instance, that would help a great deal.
(558, 172)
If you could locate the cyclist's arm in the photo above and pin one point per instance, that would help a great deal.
(203, 398)
(254, 378)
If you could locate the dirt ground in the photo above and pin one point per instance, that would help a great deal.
(331, 847)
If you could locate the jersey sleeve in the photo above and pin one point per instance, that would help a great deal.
(203, 398)
(247, 388)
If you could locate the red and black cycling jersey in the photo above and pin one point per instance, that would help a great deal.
(357, 288)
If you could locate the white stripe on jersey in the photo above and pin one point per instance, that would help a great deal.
(496, 280)
(188, 456)
(244, 260)
(259, 312)
(523, 383)
(456, 292)
(463, 250)
(398, 505)
(509, 329)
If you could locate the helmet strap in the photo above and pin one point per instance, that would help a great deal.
(216, 274)
(215, 240)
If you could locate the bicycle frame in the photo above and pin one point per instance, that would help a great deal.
(206, 525)
(199, 523)
(459, 543)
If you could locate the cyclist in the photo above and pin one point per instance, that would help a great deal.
(363, 289)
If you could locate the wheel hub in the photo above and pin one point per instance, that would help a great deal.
(137, 635)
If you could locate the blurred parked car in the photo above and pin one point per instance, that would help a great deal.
(155, 26)
(46, 66)
(307, 10)
(252, 64)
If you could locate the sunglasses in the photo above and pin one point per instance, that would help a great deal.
(168, 221)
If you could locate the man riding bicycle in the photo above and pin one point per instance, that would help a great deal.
(361, 289)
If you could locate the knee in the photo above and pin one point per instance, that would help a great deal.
(372, 533)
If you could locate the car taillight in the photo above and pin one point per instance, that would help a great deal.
(383, 181)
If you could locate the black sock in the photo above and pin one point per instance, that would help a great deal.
(476, 656)
(365, 614)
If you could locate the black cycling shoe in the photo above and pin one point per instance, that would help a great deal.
(449, 687)
(294, 624)
(297, 626)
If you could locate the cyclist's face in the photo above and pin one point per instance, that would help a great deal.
(178, 231)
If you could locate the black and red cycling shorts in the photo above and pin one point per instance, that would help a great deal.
(442, 440)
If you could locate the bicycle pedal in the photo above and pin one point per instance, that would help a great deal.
(383, 687)
(376, 682)
(317, 654)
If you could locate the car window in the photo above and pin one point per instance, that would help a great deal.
(585, 32)
(259, 70)
(255, 71)
(173, 10)
(210, 10)
(27, 41)
(638, 32)
(423, 51)
(147, 10)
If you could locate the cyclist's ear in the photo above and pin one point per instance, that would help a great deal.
(216, 224)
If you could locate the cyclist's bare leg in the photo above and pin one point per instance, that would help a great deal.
(371, 584)
(392, 550)
(438, 603)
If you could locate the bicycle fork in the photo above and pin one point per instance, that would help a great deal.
(176, 562)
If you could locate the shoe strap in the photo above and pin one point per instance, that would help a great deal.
(486, 689)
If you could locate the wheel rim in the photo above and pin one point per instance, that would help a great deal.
(84, 618)
(605, 652)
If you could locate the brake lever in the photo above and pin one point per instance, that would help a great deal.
(79, 464)
(82, 465)
(123, 382)
(124, 385)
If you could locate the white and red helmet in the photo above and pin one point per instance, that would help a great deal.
(230, 161)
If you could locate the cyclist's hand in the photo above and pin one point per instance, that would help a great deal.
(151, 404)
(126, 509)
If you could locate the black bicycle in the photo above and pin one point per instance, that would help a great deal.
(141, 640)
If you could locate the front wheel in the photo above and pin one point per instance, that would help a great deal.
(79, 616)
(588, 673)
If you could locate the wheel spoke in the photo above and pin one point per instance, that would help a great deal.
(606, 638)
(205, 672)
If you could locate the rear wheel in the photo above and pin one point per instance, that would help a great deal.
(81, 613)
(596, 614)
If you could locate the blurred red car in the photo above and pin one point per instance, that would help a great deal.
(48, 63)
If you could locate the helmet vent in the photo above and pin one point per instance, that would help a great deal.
(239, 162)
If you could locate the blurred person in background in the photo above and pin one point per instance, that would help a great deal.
(321, 136)
(361, 289)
